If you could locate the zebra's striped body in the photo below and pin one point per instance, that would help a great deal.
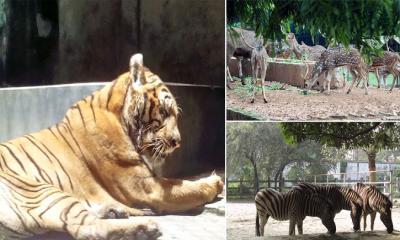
(374, 201)
(294, 206)
(342, 198)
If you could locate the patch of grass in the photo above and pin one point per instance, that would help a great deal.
(247, 90)
(274, 86)
(371, 79)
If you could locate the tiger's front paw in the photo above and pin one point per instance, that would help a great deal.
(215, 186)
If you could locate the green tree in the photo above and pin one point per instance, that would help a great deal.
(371, 137)
(361, 22)
(262, 146)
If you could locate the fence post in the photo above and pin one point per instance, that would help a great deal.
(390, 184)
(240, 188)
(269, 182)
(315, 179)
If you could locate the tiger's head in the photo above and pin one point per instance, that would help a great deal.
(150, 114)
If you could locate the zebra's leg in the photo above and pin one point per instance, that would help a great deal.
(263, 222)
(373, 215)
(292, 225)
(264, 66)
(34, 208)
(365, 221)
(300, 227)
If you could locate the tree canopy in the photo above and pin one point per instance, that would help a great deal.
(258, 150)
(366, 23)
(372, 137)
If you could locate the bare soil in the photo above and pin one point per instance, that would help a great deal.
(241, 225)
(294, 104)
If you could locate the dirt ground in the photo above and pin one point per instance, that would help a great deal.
(293, 104)
(241, 225)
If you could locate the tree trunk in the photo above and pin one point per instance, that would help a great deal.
(279, 175)
(256, 182)
(371, 164)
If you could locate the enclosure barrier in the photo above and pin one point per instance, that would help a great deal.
(388, 182)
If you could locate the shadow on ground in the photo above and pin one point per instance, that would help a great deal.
(378, 235)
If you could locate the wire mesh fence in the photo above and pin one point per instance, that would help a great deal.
(387, 181)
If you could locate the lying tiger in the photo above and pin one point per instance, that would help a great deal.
(99, 163)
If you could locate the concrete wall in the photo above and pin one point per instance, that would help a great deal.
(181, 40)
(184, 40)
(29, 109)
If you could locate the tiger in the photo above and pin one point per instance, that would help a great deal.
(88, 173)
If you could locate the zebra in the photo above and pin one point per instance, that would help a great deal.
(342, 198)
(293, 205)
(375, 201)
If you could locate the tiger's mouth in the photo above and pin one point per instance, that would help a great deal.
(158, 149)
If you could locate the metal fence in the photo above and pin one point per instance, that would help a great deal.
(387, 181)
(244, 189)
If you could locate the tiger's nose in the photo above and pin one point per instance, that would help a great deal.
(175, 142)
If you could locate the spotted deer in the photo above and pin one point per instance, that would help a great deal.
(312, 53)
(239, 44)
(389, 62)
(338, 57)
(259, 62)
(278, 49)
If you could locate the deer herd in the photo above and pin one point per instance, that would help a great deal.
(328, 65)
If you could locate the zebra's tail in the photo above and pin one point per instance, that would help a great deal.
(257, 226)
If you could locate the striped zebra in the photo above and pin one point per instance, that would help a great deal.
(342, 198)
(375, 201)
(293, 206)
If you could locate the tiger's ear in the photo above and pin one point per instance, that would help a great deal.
(136, 69)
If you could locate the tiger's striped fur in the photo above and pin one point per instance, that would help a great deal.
(342, 198)
(375, 201)
(100, 161)
(294, 205)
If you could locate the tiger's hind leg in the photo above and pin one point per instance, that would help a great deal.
(32, 208)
